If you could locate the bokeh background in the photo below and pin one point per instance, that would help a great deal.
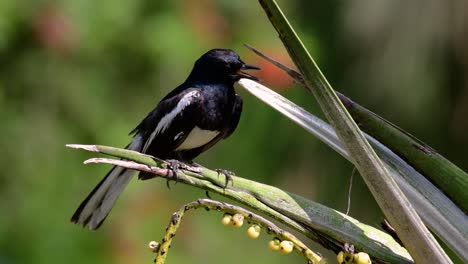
(88, 71)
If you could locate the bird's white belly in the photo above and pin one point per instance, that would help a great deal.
(197, 138)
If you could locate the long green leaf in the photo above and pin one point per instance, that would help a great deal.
(415, 236)
(442, 216)
(438, 211)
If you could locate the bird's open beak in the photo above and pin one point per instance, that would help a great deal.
(243, 74)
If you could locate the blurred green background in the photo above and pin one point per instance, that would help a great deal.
(88, 71)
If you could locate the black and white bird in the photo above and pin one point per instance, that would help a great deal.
(186, 122)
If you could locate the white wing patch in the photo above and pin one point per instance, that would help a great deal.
(197, 138)
(167, 119)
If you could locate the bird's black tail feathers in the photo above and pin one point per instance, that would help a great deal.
(94, 209)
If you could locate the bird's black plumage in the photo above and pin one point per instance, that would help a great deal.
(186, 122)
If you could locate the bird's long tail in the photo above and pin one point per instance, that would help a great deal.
(94, 209)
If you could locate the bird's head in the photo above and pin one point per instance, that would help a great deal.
(221, 65)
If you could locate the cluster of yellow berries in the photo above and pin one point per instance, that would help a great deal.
(237, 220)
(284, 246)
(356, 258)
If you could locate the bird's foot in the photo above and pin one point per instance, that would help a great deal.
(228, 174)
(174, 166)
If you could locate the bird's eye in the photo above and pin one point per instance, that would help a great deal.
(235, 66)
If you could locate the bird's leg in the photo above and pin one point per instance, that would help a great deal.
(146, 175)
(174, 166)
(228, 174)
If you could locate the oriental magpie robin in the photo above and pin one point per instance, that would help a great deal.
(186, 122)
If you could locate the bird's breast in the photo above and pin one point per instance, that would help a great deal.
(197, 138)
(217, 107)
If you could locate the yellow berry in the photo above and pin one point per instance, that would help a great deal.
(286, 246)
(226, 220)
(362, 258)
(340, 257)
(274, 245)
(254, 231)
(153, 245)
(237, 220)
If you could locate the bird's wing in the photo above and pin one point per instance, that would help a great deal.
(166, 127)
